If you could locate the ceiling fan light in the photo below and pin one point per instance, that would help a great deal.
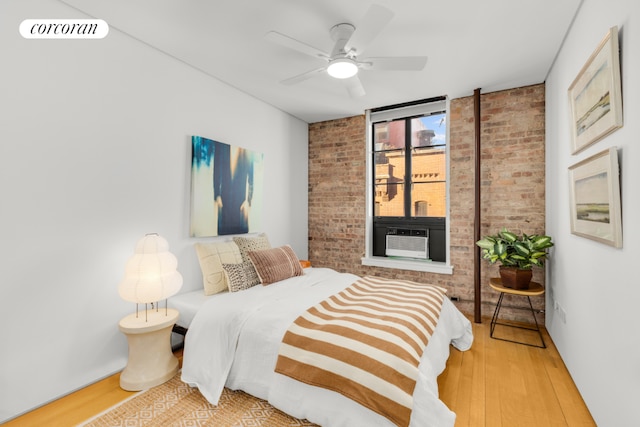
(342, 68)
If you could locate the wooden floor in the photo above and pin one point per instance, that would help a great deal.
(495, 383)
(498, 383)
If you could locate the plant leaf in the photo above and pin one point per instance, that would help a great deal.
(521, 248)
(486, 243)
(508, 236)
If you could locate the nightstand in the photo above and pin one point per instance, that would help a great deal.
(535, 289)
(151, 361)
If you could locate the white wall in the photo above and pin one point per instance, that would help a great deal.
(94, 153)
(598, 285)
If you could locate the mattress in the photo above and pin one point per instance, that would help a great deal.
(188, 304)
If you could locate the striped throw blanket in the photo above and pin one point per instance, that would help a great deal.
(366, 343)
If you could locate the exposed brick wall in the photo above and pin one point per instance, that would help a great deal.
(337, 193)
(512, 128)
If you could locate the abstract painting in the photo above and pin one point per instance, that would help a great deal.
(226, 189)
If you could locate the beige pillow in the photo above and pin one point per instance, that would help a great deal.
(247, 244)
(273, 265)
(211, 257)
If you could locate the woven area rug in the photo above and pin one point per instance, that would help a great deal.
(174, 403)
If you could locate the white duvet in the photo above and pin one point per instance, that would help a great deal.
(234, 338)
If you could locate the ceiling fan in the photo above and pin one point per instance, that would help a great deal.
(350, 41)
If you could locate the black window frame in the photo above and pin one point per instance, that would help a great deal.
(435, 226)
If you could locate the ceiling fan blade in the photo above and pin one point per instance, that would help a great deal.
(376, 18)
(302, 77)
(398, 63)
(294, 44)
(341, 34)
(354, 87)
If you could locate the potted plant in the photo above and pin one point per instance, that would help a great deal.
(516, 254)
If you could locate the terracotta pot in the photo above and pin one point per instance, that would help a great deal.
(515, 278)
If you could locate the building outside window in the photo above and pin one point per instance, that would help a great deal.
(409, 174)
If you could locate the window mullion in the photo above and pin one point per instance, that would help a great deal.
(408, 183)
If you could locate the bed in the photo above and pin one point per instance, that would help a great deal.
(187, 304)
(234, 338)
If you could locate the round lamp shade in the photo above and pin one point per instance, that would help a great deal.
(151, 273)
(342, 68)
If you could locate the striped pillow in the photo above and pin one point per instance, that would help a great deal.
(273, 265)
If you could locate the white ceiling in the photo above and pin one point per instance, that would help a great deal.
(486, 44)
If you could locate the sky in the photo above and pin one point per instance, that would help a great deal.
(593, 189)
(438, 124)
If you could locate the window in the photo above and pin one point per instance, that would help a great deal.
(408, 178)
(410, 163)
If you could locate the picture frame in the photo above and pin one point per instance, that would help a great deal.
(595, 198)
(227, 189)
(595, 95)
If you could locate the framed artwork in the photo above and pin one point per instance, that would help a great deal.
(226, 189)
(596, 95)
(595, 198)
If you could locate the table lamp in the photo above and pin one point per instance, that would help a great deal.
(150, 276)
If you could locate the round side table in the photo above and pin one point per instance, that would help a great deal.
(535, 289)
(151, 361)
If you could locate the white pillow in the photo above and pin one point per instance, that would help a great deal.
(211, 257)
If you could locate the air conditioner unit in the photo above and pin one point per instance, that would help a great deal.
(407, 246)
